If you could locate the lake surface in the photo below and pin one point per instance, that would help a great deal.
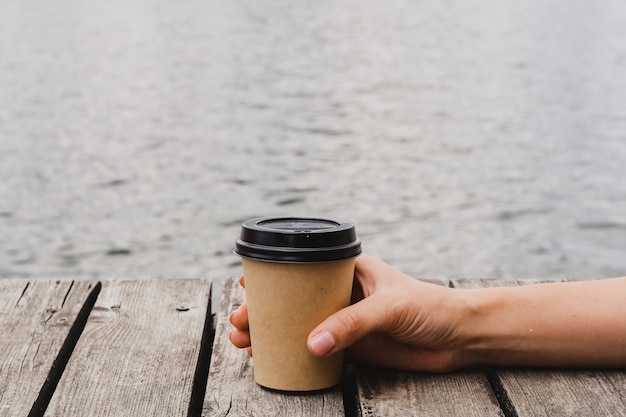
(464, 138)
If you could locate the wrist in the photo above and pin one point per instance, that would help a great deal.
(487, 336)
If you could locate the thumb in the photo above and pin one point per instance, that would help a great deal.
(345, 327)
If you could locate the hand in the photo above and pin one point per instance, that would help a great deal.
(395, 321)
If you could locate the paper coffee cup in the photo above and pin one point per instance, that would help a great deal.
(298, 271)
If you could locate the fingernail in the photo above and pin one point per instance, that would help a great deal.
(321, 343)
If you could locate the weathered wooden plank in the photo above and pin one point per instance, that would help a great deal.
(35, 319)
(138, 352)
(537, 392)
(392, 393)
(231, 389)
(387, 393)
(476, 283)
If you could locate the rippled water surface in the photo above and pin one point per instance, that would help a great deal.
(464, 138)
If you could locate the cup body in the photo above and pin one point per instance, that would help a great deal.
(298, 271)
(286, 301)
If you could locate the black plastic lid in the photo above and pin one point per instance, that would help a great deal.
(297, 239)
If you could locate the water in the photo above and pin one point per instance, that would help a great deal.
(464, 138)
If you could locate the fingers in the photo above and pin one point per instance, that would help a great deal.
(239, 317)
(345, 327)
(240, 337)
(381, 286)
(348, 325)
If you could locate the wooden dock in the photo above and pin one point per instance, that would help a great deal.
(149, 348)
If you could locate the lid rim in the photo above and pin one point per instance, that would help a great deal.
(295, 261)
(294, 242)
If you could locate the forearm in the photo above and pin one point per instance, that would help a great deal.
(557, 324)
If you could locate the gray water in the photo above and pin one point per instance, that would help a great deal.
(464, 138)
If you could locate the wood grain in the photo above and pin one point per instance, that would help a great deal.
(383, 392)
(542, 392)
(141, 347)
(138, 352)
(35, 319)
(231, 389)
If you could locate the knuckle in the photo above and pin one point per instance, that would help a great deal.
(349, 322)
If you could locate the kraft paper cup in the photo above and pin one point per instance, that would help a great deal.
(298, 271)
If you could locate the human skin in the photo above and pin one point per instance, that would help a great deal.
(400, 322)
